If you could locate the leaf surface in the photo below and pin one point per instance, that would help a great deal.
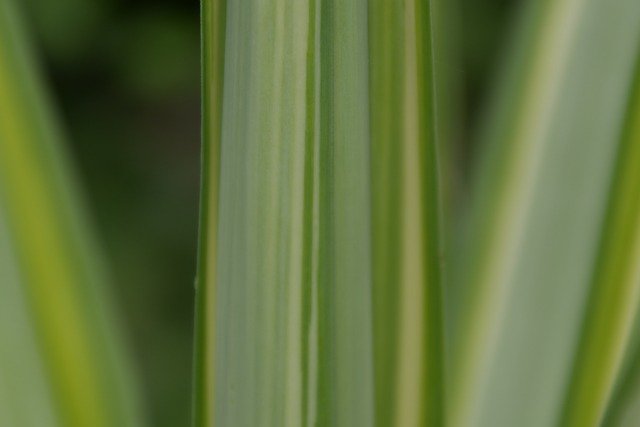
(319, 282)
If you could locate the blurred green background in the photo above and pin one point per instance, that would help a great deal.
(125, 75)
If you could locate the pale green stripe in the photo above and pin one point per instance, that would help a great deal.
(259, 304)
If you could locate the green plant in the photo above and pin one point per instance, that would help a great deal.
(337, 283)
(320, 290)
(525, 267)
(542, 194)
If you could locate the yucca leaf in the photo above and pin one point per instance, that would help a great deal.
(60, 363)
(405, 216)
(539, 205)
(318, 282)
(615, 293)
(24, 394)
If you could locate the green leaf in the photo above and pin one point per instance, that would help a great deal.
(542, 194)
(319, 282)
(615, 293)
(60, 361)
(406, 280)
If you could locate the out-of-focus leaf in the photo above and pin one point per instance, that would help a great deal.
(318, 287)
(624, 407)
(60, 362)
(24, 396)
(615, 293)
(540, 203)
